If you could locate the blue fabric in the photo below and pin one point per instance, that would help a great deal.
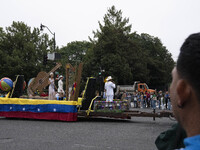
(192, 143)
(38, 108)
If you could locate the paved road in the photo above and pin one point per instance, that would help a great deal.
(87, 134)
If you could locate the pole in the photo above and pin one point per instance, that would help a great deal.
(54, 44)
(67, 81)
(54, 35)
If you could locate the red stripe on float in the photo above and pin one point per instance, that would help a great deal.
(44, 116)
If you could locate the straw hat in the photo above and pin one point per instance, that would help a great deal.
(60, 77)
(109, 78)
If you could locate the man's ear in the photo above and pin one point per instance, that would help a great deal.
(183, 90)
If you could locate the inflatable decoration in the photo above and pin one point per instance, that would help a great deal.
(6, 84)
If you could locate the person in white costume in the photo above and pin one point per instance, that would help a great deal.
(60, 88)
(51, 87)
(109, 89)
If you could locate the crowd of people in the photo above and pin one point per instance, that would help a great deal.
(160, 100)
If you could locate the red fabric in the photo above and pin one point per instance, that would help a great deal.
(45, 116)
(44, 94)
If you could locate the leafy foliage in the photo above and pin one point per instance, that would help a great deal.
(22, 50)
(110, 45)
(74, 52)
(127, 56)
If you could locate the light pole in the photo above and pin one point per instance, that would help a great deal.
(41, 29)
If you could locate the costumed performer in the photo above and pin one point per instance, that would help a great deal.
(51, 87)
(60, 88)
(109, 90)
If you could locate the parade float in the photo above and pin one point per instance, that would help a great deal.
(34, 107)
(91, 104)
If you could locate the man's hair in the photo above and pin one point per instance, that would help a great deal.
(188, 63)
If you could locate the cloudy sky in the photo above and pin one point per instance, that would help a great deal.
(74, 20)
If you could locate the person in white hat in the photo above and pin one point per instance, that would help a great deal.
(109, 89)
(60, 88)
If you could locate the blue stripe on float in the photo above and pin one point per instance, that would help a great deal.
(38, 108)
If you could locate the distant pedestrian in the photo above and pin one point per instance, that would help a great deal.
(169, 103)
(134, 98)
(161, 99)
(166, 99)
(148, 99)
(154, 99)
(142, 100)
(124, 95)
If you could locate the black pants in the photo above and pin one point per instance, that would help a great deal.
(60, 98)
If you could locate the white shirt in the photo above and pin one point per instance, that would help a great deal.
(51, 86)
(109, 87)
(60, 86)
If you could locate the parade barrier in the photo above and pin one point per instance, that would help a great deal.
(38, 109)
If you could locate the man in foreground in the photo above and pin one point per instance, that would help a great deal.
(185, 91)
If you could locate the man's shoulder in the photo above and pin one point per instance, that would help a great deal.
(192, 142)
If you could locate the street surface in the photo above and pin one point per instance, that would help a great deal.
(139, 133)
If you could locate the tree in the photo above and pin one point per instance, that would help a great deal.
(22, 50)
(74, 52)
(127, 56)
(159, 61)
(110, 45)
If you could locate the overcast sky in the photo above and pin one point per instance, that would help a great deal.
(74, 20)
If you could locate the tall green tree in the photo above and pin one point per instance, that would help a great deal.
(74, 52)
(22, 50)
(110, 45)
(127, 56)
(159, 61)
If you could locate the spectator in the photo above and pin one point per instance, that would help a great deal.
(145, 99)
(148, 99)
(166, 99)
(124, 95)
(129, 99)
(134, 98)
(169, 102)
(161, 99)
(154, 99)
(185, 91)
(159, 96)
(142, 100)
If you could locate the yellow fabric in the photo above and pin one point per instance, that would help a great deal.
(79, 101)
(7, 96)
(21, 101)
